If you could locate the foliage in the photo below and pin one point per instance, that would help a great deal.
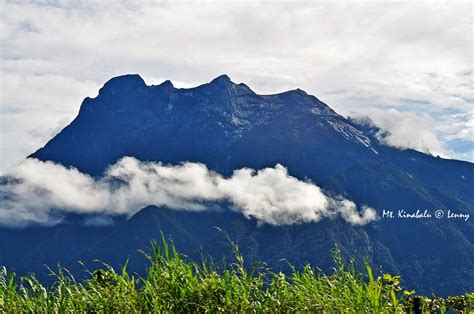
(174, 284)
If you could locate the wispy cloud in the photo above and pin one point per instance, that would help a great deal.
(404, 130)
(40, 192)
(408, 129)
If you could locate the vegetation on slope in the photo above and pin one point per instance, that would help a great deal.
(174, 284)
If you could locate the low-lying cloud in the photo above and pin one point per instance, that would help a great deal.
(38, 192)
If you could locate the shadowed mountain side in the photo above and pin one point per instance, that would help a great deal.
(227, 126)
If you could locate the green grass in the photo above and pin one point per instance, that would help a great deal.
(174, 284)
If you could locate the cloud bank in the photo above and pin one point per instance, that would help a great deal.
(39, 192)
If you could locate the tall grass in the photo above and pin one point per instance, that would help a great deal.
(174, 284)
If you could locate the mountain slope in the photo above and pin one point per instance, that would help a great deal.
(227, 126)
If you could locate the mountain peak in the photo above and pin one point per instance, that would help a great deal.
(167, 83)
(127, 78)
(223, 82)
(123, 83)
(222, 79)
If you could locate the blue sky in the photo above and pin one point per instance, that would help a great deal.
(406, 65)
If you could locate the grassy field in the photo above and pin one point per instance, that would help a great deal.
(174, 284)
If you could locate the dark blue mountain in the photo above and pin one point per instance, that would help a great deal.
(227, 126)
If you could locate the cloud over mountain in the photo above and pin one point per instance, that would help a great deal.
(40, 192)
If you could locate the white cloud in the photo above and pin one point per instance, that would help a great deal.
(352, 55)
(38, 192)
(458, 126)
(407, 129)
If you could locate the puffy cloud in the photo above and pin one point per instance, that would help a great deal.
(272, 196)
(40, 192)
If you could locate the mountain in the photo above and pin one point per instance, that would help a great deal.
(227, 126)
